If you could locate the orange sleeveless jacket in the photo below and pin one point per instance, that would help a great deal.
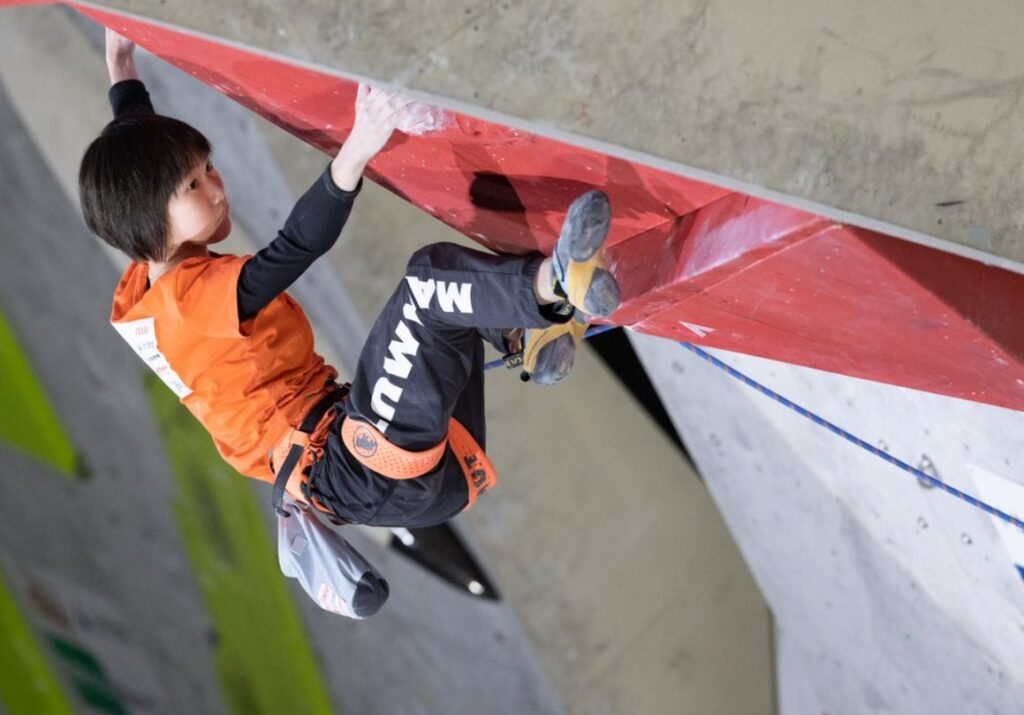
(249, 385)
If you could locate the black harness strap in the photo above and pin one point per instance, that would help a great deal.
(309, 423)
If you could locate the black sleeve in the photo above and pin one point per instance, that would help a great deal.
(309, 232)
(128, 96)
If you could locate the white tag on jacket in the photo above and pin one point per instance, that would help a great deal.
(141, 335)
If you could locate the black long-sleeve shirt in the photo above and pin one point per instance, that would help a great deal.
(310, 230)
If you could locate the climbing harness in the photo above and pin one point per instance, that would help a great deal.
(373, 450)
(301, 447)
(305, 444)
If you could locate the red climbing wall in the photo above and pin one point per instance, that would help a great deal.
(696, 262)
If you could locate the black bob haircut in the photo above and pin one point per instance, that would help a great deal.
(128, 175)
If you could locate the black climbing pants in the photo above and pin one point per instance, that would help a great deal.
(421, 365)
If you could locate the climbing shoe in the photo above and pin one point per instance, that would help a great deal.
(580, 275)
(585, 286)
(548, 355)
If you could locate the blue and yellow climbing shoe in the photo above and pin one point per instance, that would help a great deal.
(549, 352)
(585, 284)
(581, 276)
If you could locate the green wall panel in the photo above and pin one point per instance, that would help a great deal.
(27, 420)
(27, 684)
(263, 657)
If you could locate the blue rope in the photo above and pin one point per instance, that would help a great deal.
(818, 420)
(821, 421)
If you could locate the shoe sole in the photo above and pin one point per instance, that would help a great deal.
(586, 225)
(549, 353)
(554, 361)
(602, 295)
(583, 234)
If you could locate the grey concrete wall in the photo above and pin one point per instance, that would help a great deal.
(577, 539)
(111, 537)
(888, 597)
(455, 654)
(873, 112)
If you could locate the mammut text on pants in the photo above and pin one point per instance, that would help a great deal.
(426, 344)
